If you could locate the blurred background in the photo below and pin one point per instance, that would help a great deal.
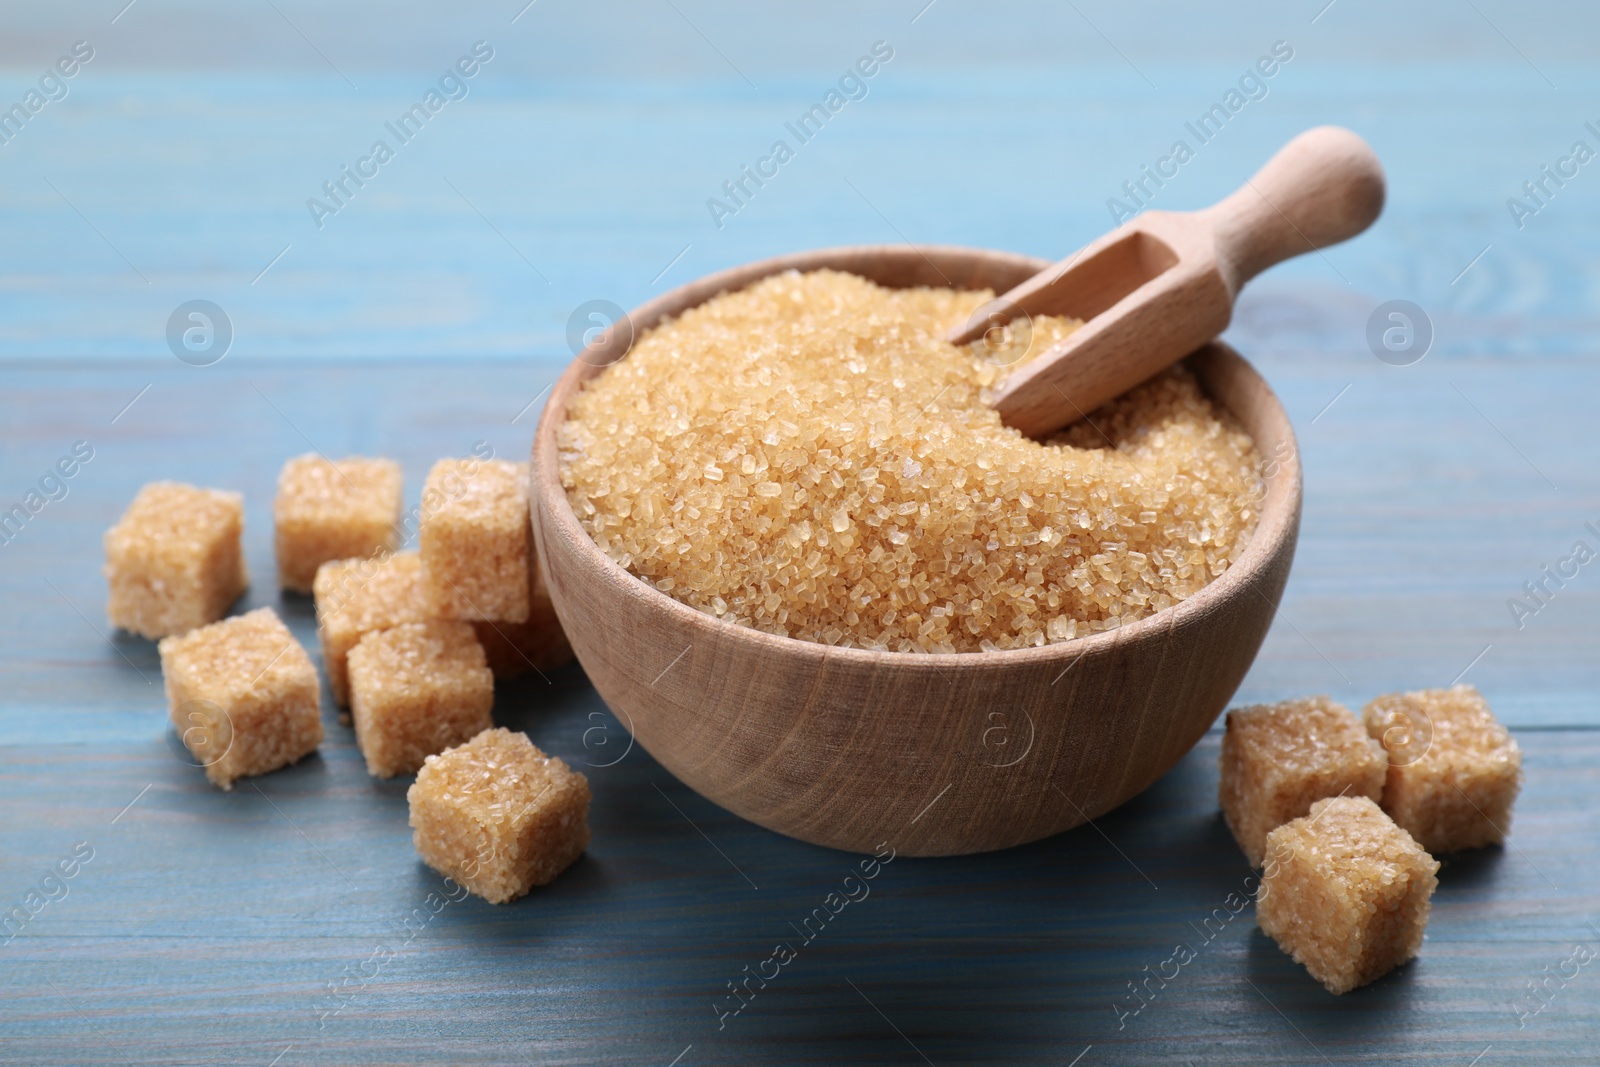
(185, 159)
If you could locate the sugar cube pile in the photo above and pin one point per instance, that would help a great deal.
(412, 643)
(1343, 815)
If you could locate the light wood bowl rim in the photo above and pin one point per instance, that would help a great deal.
(1276, 521)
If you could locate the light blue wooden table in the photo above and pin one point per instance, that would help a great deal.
(431, 309)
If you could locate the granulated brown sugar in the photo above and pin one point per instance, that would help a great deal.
(476, 543)
(810, 457)
(174, 561)
(243, 695)
(329, 510)
(415, 690)
(355, 597)
(1346, 892)
(1279, 759)
(1454, 771)
(499, 815)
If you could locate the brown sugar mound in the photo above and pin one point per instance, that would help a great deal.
(810, 457)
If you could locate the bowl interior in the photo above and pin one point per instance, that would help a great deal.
(1224, 375)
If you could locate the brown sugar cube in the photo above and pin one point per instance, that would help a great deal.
(243, 695)
(1346, 892)
(416, 690)
(477, 544)
(514, 648)
(357, 596)
(331, 510)
(1278, 759)
(173, 560)
(1454, 771)
(498, 815)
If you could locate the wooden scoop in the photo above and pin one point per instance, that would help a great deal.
(1154, 290)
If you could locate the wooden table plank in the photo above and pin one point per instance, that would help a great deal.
(207, 926)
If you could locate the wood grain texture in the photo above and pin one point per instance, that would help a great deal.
(934, 754)
(207, 928)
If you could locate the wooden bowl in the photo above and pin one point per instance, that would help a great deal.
(931, 754)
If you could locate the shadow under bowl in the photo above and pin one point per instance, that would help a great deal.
(932, 755)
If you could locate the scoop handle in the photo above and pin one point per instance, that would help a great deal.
(1323, 187)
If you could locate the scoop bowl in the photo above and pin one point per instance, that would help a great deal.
(936, 754)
